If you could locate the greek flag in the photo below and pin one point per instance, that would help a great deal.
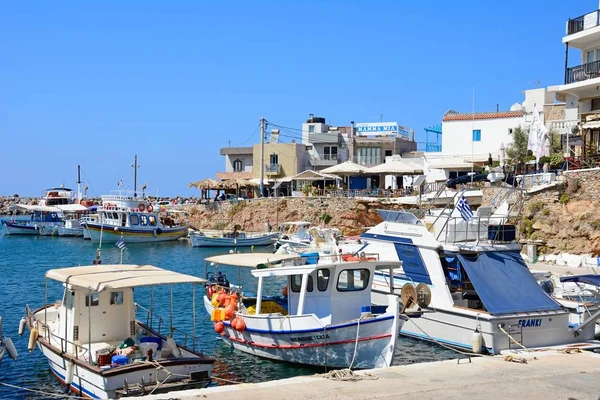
(463, 207)
(120, 243)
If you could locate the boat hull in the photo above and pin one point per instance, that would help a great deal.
(71, 232)
(109, 234)
(91, 384)
(207, 241)
(11, 228)
(363, 344)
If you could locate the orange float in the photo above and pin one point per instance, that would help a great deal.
(241, 325)
(219, 327)
(229, 311)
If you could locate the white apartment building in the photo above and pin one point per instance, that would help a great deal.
(327, 145)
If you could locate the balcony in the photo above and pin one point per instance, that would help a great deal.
(326, 161)
(561, 126)
(583, 30)
(273, 169)
(582, 72)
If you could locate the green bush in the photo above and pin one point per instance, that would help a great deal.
(325, 218)
(536, 206)
(545, 212)
(564, 198)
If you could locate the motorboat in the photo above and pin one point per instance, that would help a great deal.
(6, 346)
(300, 235)
(40, 216)
(97, 347)
(326, 318)
(124, 214)
(232, 238)
(485, 297)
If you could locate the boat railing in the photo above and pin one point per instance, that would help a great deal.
(49, 335)
(156, 323)
(477, 229)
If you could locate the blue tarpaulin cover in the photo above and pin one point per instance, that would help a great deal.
(504, 283)
(589, 279)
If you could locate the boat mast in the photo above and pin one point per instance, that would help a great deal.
(79, 184)
(135, 167)
(262, 155)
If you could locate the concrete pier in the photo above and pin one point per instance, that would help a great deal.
(552, 375)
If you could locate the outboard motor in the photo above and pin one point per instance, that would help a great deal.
(548, 286)
(222, 279)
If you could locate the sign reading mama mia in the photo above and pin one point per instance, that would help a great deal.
(381, 128)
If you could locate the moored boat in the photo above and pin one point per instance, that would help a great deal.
(123, 214)
(326, 319)
(41, 216)
(95, 345)
(215, 238)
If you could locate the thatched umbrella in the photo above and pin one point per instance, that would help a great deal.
(238, 183)
(207, 184)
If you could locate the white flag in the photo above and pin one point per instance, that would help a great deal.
(538, 136)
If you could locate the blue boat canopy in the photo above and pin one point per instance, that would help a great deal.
(504, 283)
(589, 279)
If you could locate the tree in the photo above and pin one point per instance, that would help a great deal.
(517, 151)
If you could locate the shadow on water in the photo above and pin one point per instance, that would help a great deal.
(25, 260)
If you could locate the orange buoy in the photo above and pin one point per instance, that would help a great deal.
(219, 327)
(221, 297)
(284, 292)
(234, 300)
(233, 323)
(229, 311)
(241, 325)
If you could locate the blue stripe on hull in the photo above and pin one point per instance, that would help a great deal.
(74, 385)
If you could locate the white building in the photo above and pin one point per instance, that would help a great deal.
(327, 145)
(480, 134)
(238, 163)
(581, 88)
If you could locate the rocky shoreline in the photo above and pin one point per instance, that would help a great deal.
(7, 203)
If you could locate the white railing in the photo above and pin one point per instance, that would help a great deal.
(562, 126)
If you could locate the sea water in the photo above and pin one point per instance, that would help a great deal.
(25, 259)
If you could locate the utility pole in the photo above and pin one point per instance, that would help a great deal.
(262, 155)
(78, 184)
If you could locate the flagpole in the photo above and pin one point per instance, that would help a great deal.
(122, 256)
(472, 133)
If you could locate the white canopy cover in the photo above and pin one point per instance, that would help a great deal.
(345, 168)
(251, 260)
(118, 276)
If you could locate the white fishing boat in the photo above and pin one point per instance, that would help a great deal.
(124, 214)
(327, 318)
(232, 238)
(300, 235)
(72, 228)
(95, 345)
(483, 293)
(88, 218)
(6, 346)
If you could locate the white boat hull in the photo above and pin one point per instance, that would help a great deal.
(208, 241)
(367, 343)
(19, 229)
(109, 234)
(90, 384)
(72, 232)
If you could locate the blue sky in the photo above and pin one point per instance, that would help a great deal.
(94, 83)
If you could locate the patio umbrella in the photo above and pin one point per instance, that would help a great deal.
(345, 168)
(207, 183)
(396, 168)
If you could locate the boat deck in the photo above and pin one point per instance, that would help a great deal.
(552, 374)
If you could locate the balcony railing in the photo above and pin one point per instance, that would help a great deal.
(587, 21)
(562, 126)
(368, 160)
(273, 169)
(582, 72)
(330, 157)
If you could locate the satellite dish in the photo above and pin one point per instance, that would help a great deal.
(408, 295)
(423, 295)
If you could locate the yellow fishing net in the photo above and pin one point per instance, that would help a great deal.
(268, 307)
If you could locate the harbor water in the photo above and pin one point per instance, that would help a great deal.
(25, 259)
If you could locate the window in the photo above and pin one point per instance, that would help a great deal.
(297, 283)
(116, 298)
(322, 279)
(351, 280)
(477, 135)
(238, 165)
(69, 297)
(152, 219)
(596, 104)
(368, 155)
(330, 152)
(134, 219)
(388, 153)
(95, 300)
(590, 56)
(144, 220)
(510, 131)
(273, 159)
(311, 129)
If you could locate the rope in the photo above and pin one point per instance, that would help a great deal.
(355, 343)
(347, 375)
(512, 338)
(62, 396)
(226, 380)
(444, 345)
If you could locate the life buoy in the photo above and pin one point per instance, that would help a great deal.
(150, 208)
(142, 207)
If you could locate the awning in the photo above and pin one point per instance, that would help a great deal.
(251, 260)
(101, 277)
(504, 283)
(31, 208)
(591, 125)
(71, 207)
(593, 280)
